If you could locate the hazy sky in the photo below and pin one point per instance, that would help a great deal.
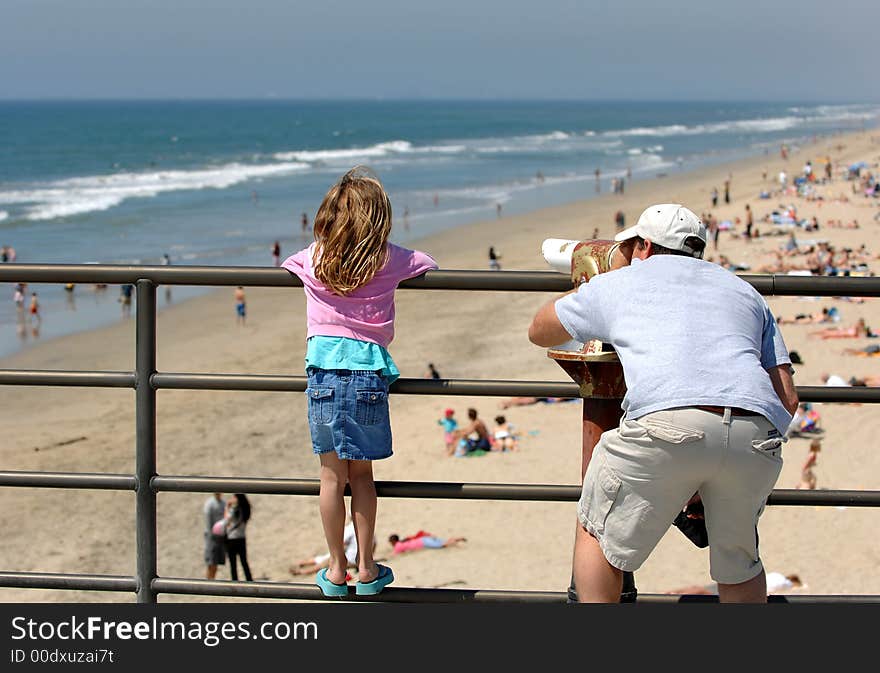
(641, 49)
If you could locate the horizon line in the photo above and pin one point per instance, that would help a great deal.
(404, 99)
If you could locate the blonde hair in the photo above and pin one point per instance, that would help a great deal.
(351, 231)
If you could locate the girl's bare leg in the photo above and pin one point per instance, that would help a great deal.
(363, 513)
(334, 474)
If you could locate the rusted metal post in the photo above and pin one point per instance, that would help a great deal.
(596, 369)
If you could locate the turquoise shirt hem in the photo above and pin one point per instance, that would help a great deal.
(329, 352)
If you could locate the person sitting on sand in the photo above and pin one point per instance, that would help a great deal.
(421, 540)
(504, 437)
(474, 436)
(313, 564)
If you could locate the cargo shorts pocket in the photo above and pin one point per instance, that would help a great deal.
(370, 407)
(597, 503)
(771, 449)
(320, 405)
(670, 432)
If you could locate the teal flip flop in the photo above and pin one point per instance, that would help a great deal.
(383, 579)
(329, 588)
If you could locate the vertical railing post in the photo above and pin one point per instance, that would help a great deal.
(145, 458)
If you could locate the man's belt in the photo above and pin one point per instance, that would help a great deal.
(734, 411)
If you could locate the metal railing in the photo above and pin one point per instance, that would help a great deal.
(145, 380)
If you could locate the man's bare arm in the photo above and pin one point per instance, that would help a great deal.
(546, 330)
(783, 384)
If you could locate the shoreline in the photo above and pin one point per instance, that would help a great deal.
(476, 335)
(669, 175)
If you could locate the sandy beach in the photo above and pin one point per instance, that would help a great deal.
(467, 335)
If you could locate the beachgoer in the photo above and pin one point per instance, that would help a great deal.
(4, 253)
(727, 191)
(125, 292)
(350, 268)
(714, 197)
(505, 438)
(498, 209)
(236, 516)
(34, 308)
(474, 436)
(421, 540)
(833, 380)
(808, 477)
(777, 583)
(304, 222)
(432, 372)
(240, 305)
(314, 564)
(276, 253)
(18, 297)
(406, 218)
(687, 409)
(619, 219)
(166, 261)
(750, 221)
(450, 425)
(860, 329)
(527, 401)
(494, 265)
(215, 548)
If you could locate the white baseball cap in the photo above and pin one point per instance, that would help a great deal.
(669, 225)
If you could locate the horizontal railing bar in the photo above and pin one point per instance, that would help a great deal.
(522, 281)
(309, 592)
(469, 491)
(67, 581)
(391, 489)
(403, 386)
(47, 377)
(118, 482)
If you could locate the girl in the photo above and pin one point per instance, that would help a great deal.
(349, 275)
(236, 517)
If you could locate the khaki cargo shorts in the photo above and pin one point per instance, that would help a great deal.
(644, 471)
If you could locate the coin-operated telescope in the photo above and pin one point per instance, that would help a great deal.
(593, 365)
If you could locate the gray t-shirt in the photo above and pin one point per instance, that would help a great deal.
(214, 510)
(687, 332)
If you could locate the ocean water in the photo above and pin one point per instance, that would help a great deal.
(215, 183)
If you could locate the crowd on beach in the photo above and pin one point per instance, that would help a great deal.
(347, 462)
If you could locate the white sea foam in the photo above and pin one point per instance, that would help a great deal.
(75, 196)
(820, 114)
(3, 215)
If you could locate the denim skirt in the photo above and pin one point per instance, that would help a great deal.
(348, 413)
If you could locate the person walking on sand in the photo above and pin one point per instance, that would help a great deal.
(750, 222)
(727, 191)
(619, 220)
(240, 305)
(276, 253)
(494, 264)
(304, 223)
(350, 274)
(714, 197)
(687, 409)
